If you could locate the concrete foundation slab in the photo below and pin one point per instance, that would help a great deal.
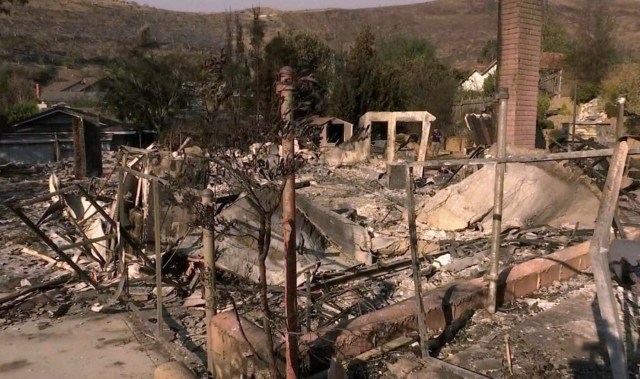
(93, 347)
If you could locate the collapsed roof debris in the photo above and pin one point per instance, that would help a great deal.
(528, 202)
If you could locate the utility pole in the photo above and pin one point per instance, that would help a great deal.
(285, 92)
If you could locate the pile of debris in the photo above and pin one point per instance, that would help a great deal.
(528, 198)
(353, 252)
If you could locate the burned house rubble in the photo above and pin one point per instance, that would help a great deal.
(442, 189)
(395, 252)
(325, 248)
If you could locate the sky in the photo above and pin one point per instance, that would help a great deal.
(222, 5)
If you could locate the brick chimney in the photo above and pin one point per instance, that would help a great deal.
(520, 38)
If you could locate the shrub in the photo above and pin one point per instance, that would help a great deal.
(20, 112)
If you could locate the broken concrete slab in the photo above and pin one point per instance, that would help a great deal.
(534, 194)
(241, 258)
(372, 173)
(458, 265)
(350, 237)
(239, 250)
(348, 153)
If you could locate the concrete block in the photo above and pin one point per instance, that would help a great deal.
(551, 274)
(351, 238)
(231, 352)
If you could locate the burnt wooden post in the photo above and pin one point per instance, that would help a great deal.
(285, 92)
(413, 244)
(598, 251)
(79, 148)
(56, 147)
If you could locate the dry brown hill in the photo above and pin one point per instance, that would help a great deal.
(92, 31)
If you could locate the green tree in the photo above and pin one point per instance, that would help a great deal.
(228, 22)
(255, 55)
(239, 37)
(554, 35)
(311, 59)
(425, 82)
(405, 48)
(148, 90)
(16, 86)
(624, 82)
(20, 112)
(16, 90)
(237, 76)
(364, 83)
(490, 86)
(46, 75)
(594, 49)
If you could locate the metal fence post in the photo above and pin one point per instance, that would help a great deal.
(503, 96)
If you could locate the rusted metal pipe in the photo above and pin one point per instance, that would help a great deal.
(209, 279)
(498, 193)
(413, 243)
(285, 92)
(547, 157)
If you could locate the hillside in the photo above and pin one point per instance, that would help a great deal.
(91, 31)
